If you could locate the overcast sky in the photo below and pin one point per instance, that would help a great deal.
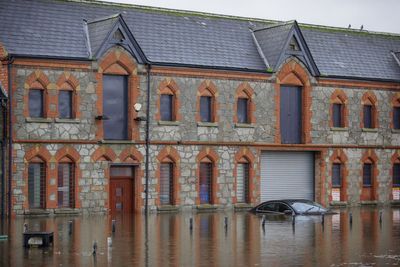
(375, 15)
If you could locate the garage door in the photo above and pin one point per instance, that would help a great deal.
(287, 175)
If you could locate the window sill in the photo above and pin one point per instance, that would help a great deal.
(244, 125)
(37, 212)
(116, 142)
(396, 131)
(167, 208)
(169, 123)
(39, 120)
(58, 120)
(395, 203)
(369, 130)
(339, 129)
(242, 206)
(369, 202)
(207, 124)
(67, 211)
(206, 207)
(338, 204)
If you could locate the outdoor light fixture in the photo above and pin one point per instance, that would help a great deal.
(102, 118)
(137, 108)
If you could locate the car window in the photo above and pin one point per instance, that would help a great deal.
(304, 207)
(282, 207)
(268, 207)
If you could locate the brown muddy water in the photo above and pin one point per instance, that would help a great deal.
(166, 240)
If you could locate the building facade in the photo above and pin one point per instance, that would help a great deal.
(203, 113)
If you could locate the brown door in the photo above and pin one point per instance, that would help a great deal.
(121, 190)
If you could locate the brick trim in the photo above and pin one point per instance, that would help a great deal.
(38, 154)
(38, 80)
(74, 157)
(208, 88)
(210, 156)
(369, 98)
(130, 155)
(169, 155)
(339, 157)
(119, 62)
(67, 81)
(244, 90)
(339, 97)
(104, 153)
(244, 155)
(369, 193)
(292, 73)
(169, 87)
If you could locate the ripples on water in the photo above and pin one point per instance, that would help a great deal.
(166, 240)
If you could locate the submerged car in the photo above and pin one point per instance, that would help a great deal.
(291, 207)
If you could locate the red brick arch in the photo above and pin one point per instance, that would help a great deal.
(208, 88)
(104, 153)
(169, 155)
(170, 87)
(208, 155)
(244, 155)
(244, 90)
(131, 155)
(292, 73)
(37, 80)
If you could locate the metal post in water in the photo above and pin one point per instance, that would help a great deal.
(264, 219)
(323, 219)
(351, 218)
(293, 223)
(25, 227)
(191, 224)
(113, 226)
(380, 217)
(70, 227)
(94, 248)
(226, 223)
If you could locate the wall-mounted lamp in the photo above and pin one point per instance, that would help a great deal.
(137, 108)
(102, 118)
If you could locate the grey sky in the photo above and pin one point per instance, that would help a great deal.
(375, 15)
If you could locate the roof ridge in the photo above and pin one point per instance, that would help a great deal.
(284, 23)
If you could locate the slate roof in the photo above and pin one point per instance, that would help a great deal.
(98, 31)
(49, 28)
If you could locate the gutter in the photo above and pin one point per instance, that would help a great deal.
(10, 155)
(3, 158)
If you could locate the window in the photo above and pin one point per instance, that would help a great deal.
(166, 107)
(36, 185)
(396, 117)
(65, 104)
(242, 110)
(205, 182)
(367, 174)
(206, 108)
(166, 184)
(336, 175)
(396, 175)
(65, 188)
(242, 182)
(337, 115)
(368, 119)
(36, 103)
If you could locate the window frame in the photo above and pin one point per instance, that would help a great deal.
(42, 103)
(170, 183)
(70, 104)
(71, 183)
(208, 109)
(338, 114)
(42, 184)
(243, 118)
(340, 172)
(171, 107)
(371, 174)
(396, 174)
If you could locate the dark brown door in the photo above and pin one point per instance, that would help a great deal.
(121, 190)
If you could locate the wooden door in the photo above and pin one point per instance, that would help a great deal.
(121, 195)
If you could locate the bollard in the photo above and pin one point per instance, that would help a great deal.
(226, 223)
(94, 248)
(25, 227)
(293, 224)
(380, 217)
(264, 219)
(109, 241)
(351, 218)
(191, 224)
(70, 227)
(113, 226)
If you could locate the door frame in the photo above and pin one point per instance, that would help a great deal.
(136, 185)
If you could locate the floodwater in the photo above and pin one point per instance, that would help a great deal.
(167, 240)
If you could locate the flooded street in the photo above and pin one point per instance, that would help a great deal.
(168, 240)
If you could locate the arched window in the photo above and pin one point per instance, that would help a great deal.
(67, 96)
(206, 180)
(37, 95)
(338, 175)
(369, 173)
(369, 111)
(396, 112)
(338, 109)
(37, 183)
(242, 181)
(207, 103)
(166, 182)
(244, 104)
(396, 179)
(66, 183)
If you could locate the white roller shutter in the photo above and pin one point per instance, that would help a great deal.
(287, 175)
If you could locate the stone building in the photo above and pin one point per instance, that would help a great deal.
(204, 111)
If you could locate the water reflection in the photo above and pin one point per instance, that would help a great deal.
(166, 240)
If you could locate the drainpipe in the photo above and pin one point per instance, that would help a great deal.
(11, 59)
(3, 158)
(146, 207)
